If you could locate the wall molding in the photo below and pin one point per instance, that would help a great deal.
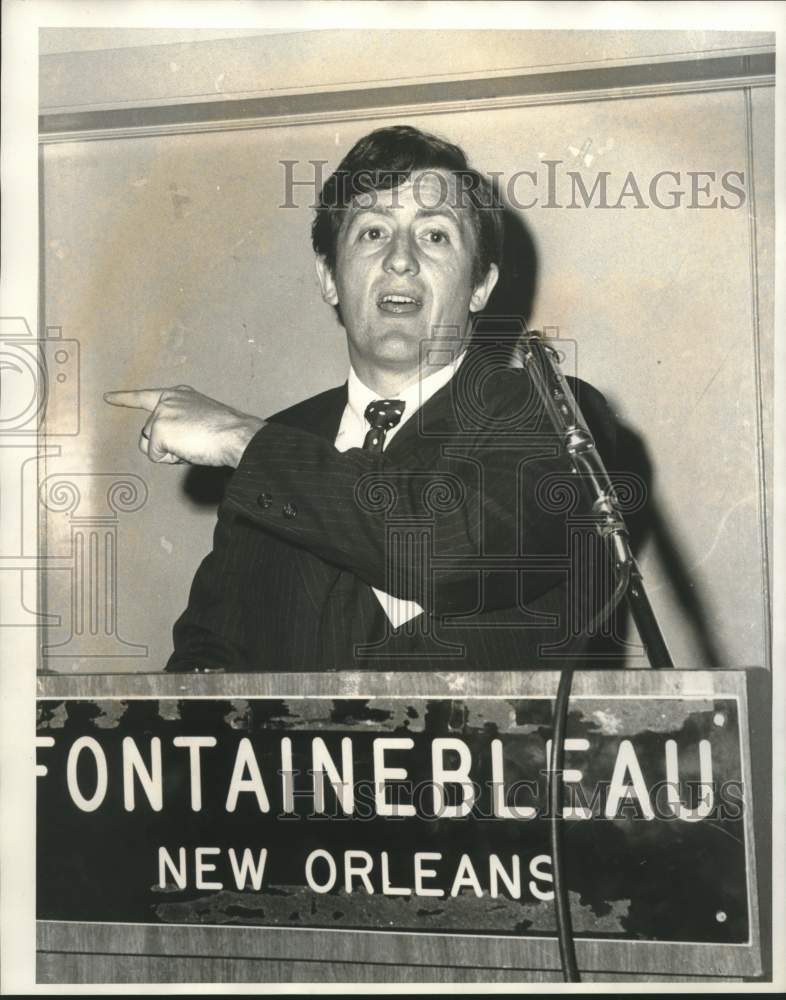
(761, 497)
(280, 87)
(486, 94)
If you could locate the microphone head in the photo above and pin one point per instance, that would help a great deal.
(522, 352)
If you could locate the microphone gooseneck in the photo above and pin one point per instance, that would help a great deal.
(540, 360)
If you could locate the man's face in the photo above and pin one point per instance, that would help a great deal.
(404, 273)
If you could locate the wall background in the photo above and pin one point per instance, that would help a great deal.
(167, 256)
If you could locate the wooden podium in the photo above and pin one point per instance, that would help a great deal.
(668, 881)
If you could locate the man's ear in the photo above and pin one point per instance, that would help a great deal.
(327, 282)
(482, 291)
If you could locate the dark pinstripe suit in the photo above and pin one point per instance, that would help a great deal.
(306, 531)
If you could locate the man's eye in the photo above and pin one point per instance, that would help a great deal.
(437, 236)
(372, 234)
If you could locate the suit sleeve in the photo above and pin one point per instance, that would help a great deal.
(424, 531)
(210, 632)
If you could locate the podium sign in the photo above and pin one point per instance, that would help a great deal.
(339, 817)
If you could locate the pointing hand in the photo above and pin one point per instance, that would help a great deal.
(185, 426)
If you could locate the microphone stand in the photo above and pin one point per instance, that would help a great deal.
(542, 363)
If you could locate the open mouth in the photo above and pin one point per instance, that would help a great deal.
(398, 303)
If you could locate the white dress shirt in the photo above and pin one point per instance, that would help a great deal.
(352, 432)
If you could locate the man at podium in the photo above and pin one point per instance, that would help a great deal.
(425, 514)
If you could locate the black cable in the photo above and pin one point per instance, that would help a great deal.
(567, 950)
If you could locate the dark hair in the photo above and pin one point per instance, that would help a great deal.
(387, 157)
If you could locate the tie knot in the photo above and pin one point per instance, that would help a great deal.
(384, 414)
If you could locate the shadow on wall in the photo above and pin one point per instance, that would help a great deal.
(651, 527)
(514, 294)
(621, 447)
(205, 487)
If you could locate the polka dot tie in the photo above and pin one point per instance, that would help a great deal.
(383, 415)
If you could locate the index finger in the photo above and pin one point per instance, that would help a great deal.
(135, 399)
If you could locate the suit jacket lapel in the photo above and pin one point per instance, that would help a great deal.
(321, 416)
(437, 417)
(328, 417)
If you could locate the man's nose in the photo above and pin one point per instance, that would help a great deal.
(401, 257)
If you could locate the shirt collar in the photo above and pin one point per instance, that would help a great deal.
(414, 396)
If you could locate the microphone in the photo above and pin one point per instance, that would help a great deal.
(541, 361)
